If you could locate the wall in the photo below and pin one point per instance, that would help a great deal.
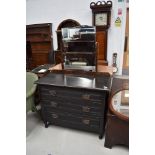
(55, 11)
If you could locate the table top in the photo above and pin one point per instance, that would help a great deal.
(85, 68)
(100, 68)
(97, 82)
(119, 104)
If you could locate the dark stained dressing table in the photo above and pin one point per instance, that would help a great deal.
(75, 100)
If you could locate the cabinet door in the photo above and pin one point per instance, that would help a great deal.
(101, 38)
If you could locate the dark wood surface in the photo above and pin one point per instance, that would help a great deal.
(58, 57)
(40, 38)
(119, 83)
(97, 82)
(101, 38)
(117, 129)
(101, 7)
(75, 101)
(100, 69)
(84, 68)
(28, 56)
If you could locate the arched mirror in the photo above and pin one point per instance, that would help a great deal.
(63, 24)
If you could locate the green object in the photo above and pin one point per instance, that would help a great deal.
(30, 90)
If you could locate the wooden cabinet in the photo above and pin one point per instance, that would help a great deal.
(41, 40)
(75, 101)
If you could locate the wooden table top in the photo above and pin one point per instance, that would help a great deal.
(100, 68)
(97, 82)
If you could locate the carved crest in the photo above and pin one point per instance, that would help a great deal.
(101, 5)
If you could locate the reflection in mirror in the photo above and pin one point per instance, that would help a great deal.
(120, 102)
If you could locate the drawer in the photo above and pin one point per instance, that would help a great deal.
(72, 100)
(66, 106)
(88, 95)
(70, 118)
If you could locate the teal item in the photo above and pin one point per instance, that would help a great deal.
(30, 91)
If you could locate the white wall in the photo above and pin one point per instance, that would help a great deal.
(116, 35)
(55, 11)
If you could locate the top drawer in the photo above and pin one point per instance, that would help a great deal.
(90, 95)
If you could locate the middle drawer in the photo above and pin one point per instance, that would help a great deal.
(73, 106)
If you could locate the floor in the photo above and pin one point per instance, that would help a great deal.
(56, 140)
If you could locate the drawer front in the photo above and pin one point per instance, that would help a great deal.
(55, 117)
(73, 100)
(85, 95)
(68, 106)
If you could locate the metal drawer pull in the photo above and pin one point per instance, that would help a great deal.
(86, 121)
(52, 93)
(54, 115)
(86, 96)
(85, 109)
(53, 104)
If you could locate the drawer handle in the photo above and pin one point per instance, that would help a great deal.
(52, 92)
(54, 115)
(86, 96)
(53, 104)
(86, 121)
(86, 109)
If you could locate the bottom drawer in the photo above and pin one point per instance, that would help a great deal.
(68, 120)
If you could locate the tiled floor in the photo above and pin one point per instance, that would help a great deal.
(56, 140)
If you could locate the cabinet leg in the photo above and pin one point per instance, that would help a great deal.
(107, 144)
(46, 124)
(100, 136)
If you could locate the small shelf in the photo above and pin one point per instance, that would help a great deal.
(83, 53)
(39, 41)
(79, 41)
(33, 33)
